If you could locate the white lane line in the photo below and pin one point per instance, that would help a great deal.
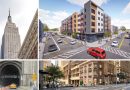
(56, 43)
(66, 57)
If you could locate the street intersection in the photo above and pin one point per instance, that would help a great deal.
(78, 51)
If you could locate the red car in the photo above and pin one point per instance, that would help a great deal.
(97, 52)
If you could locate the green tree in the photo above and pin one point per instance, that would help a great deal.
(45, 28)
(74, 35)
(65, 33)
(123, 28)
(56, 73)
(81, 82)
(107, 34)
(54, 29)
(116, 32)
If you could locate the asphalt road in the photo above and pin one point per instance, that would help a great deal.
(107, 87)
(62, 47)
(78, 51)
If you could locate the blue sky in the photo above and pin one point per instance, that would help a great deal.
(119, 10)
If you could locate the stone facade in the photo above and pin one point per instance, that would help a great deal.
(23, 70)
(10, 41)
(29, 49)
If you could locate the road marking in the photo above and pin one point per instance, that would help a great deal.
(56, 43)
(49, 53)
(121, 42)
(116, 51)
(69, 54)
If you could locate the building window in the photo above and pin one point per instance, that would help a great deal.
(98, 30)
(74, 16)
(93, 17)
(98, 24)
(100, 66)
(98, 18)
(93, 23)
(85, 10)
(98, 12)
(100, 73)
(93, 29)
(90, 70)
(85, 16)
(93, 11)
(101, 14)
(85, 23)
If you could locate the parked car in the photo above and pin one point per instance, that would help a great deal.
(59, 40)
(115, 44)
(12, 86)
(72, 42)
(52, 48)
(62, 36)
(97, 52)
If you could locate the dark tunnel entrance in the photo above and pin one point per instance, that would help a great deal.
(10, 74)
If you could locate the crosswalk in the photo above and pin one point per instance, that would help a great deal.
(116, 51)
(70, 53)
(110, 49)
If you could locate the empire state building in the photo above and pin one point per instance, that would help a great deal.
(10, 41)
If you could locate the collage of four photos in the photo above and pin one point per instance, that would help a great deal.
(65, 45)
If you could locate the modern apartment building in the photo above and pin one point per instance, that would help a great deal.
(90, 23)
(107, 25)
(94, 26)
(70, 24)
(81, 31)
(93, 72)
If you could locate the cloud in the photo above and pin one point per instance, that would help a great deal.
(22, 12)
(81, 2)
(121, 22)
(126, 9)
(52, 18)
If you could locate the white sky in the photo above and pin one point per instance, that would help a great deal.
(22, 12)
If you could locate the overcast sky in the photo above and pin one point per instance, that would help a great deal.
(22, 12)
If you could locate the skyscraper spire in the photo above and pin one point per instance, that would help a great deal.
(9, 11)
(9, 17)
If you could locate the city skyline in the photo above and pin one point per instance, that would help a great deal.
(119, 14)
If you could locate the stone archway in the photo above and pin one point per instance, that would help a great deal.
(10, 72)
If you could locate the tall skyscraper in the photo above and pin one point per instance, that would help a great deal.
(10, 41)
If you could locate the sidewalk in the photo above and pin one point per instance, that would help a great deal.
(94, 44)
(98, 44)
(27, 88)
(24, 88)
(41, 47)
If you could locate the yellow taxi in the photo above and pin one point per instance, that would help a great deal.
(12, 86)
